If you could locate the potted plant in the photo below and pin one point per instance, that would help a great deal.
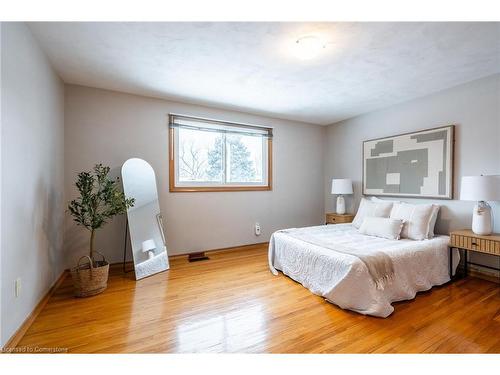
(100, 200)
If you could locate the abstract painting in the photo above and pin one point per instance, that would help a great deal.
(416, 164)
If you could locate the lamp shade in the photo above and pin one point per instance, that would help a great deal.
(148, 245)
(342, 186)
(480, 188)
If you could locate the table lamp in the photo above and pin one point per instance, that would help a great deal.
(148, 247)
(341, 187)
(481, 189)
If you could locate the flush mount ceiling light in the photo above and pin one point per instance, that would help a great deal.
(308, 47)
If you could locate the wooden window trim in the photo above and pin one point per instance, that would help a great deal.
(198, 189)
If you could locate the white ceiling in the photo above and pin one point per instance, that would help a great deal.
(250, 66)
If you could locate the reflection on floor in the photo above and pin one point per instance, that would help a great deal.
(231, 331)
(232, 303)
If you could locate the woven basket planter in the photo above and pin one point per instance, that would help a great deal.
(90, 278)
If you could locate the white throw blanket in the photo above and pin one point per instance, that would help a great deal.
(345, 280)
(378, 263)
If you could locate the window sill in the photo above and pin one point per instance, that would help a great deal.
(198, 189)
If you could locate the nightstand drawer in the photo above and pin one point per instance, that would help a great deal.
(338, 219)
(331, 219)
(479, 244)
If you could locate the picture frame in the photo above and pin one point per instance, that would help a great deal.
(417, 164)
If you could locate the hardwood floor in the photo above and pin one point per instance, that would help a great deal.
(232, 303)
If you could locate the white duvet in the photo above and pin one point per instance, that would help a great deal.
(344, 280)
(151, 266)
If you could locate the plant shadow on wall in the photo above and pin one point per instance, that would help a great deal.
(99, 200)
(51, 206)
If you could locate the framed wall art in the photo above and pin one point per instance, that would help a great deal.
(418, 165)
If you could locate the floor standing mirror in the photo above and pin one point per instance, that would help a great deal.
(145, 222)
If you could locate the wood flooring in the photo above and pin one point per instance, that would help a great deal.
(232, 303)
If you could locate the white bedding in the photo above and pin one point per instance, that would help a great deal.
(344, 280)
(151, 266)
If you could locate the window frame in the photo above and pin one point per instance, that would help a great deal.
(193, 187)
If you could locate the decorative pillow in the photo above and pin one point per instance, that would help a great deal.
(371, 209)
(417, 219)
(382, 227)
(377, 199)
(432, 222)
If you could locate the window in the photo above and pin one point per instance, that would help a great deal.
(209, 155)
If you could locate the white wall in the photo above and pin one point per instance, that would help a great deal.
(110, 127)
(473, 107)
(32, 156)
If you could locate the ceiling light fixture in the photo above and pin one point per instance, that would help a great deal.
(309, 47)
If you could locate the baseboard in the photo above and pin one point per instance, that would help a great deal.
(224, 249)
(116, 264)
(484, 273)
(18, 335)
(211, 251)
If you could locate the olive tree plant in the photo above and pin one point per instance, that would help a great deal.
(100, 200)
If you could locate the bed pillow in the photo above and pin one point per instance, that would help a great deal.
(371, 209)
(382, 227)
(416, 219)
(432, 222)
(377, 199)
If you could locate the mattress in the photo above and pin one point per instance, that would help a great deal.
(343, 279)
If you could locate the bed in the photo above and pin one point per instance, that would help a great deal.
(153, 265)
(345, 280)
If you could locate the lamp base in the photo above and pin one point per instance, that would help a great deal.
(481, 219)
(340, 205)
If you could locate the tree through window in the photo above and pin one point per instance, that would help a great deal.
(208, 155)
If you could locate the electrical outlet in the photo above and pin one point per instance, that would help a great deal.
(257, 229)
(18, 287)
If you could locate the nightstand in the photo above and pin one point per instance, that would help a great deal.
(333, 218)
(467, 240)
